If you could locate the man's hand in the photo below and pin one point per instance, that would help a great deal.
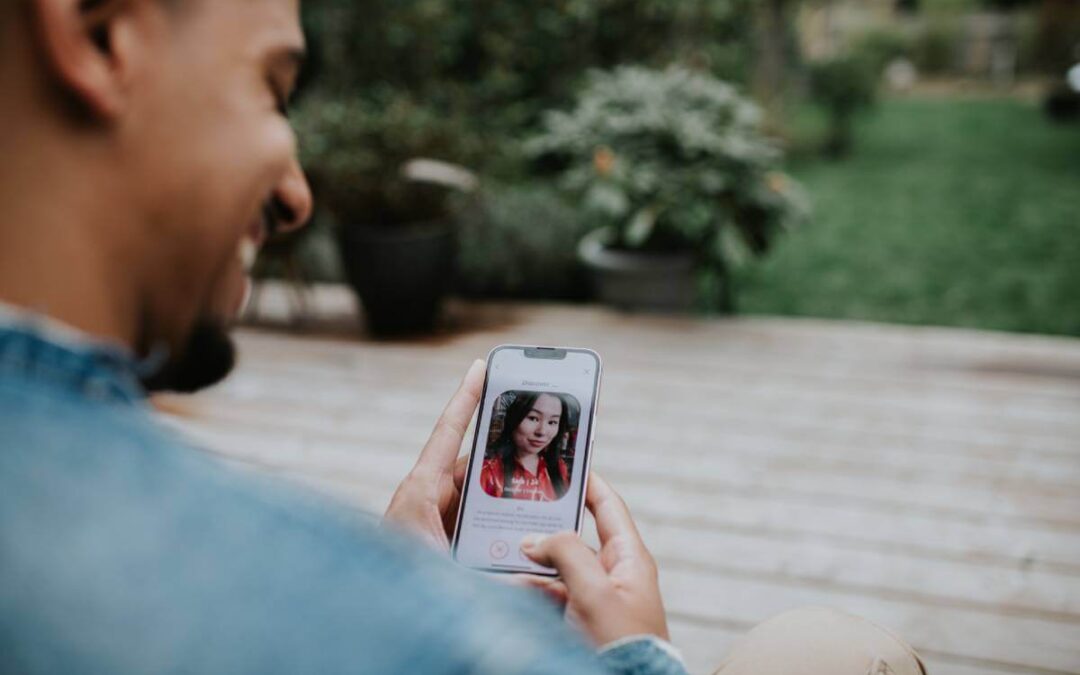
(426, 502)
(611, 594)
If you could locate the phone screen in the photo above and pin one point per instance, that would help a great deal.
(530, 457)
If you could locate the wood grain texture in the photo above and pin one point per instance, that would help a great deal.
(926, 478)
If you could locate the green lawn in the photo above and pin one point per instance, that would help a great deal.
(959, 213)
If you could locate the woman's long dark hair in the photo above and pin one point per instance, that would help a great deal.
(507, 451)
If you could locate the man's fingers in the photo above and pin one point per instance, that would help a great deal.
(460, 466)
(445, 441)
(451, 511)
(608, 508)
(575, 562)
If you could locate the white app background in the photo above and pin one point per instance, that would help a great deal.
(492, 528)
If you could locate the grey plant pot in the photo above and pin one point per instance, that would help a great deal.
(636, 280)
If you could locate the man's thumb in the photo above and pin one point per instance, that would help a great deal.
(574, 561)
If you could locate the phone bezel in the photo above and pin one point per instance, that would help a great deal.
(476, 439)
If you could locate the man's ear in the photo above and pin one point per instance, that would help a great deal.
(87, 46)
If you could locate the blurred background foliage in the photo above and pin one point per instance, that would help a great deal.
(491, 68)
(517, 241)
(512, 60)
(954, 203)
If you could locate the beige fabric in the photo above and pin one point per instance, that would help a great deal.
(820, 641)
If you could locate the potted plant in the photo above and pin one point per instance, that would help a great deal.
(673, 168)
(395, 230)
(844, 86)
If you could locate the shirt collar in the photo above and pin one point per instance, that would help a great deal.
(44, 349)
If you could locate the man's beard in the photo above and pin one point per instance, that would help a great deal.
(205, 359)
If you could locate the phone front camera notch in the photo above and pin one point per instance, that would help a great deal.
(550, 353)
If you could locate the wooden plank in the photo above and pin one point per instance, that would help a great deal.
(1033, 505)
(928, 535)
(961, 633)
(944, 583)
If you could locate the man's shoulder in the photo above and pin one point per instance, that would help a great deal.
(50, 417)
(108, 453)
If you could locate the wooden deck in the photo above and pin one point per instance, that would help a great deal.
(928, 479)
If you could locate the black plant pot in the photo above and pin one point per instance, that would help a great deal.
(401, 273)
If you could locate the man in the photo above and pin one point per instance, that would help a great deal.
(145, 155)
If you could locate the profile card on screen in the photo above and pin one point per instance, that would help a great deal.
(530, 457)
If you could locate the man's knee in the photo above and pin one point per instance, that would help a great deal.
(820, 641)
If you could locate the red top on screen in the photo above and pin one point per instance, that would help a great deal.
(525, 485)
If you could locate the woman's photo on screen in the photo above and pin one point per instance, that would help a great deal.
(530, 449)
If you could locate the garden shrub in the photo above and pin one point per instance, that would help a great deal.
(672, 160)
(520, 241)
(843, 86)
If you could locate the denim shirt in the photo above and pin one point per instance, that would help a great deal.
(125, 550)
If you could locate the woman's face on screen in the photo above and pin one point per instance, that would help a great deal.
(540, 425)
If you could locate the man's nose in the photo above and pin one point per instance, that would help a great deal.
(292, 200)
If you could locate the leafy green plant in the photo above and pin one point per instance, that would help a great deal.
(844, 86)
(671, 160)
(517, 241)
(935, 47)
(353, 149)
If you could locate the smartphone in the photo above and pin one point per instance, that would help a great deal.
(530, 457)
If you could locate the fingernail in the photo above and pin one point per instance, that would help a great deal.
(532, 540)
